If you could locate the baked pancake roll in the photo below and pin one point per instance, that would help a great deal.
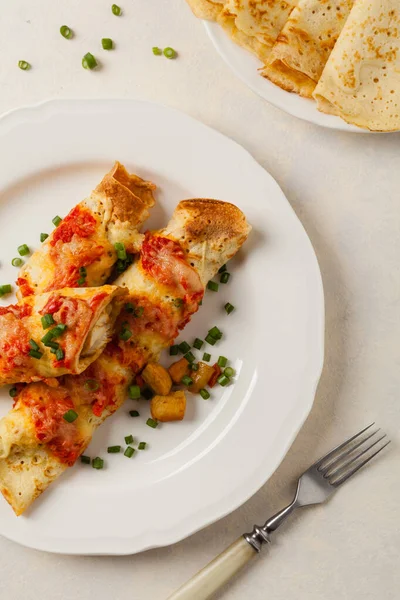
(56, 333)
(81, 251)
(49, 428)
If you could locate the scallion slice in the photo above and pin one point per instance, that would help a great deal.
(229, 372)
(152, 423)
(107, 43)
(134, 392)
(125, 334)
(134, 413)
(85, 459)
(157, 51)
(128, 439)
(97, 463)
(129, 452)
(211, 340)
(229, 308)
(43, 236)
(56, 221)
(13, 392)
(116, 10)
(198, 343)
(184, 347)
(222, 361)
(47, 320)
(205, 394)
(190, 357)
(222, 269)
(59, 354)
(70, 416)
(174, 350)
(5, 289)
(16, 262)
(169, 52)
(194, 366)
(121, 252)
(206, 357)
(23, 65)
(215, 332)
(213, 286)
(35, 354)
(23, 250)
(66, 32)
(225, 277)
(113, 449)
(223, 380)
(91, 385)
(89, 61)
(34, 345)
(178, 302)
(186, 380)
(142, 446)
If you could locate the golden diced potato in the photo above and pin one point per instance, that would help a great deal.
(178, 369)
(201, 377)
(168, 408)
(157, 378)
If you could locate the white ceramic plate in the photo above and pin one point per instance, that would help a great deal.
(245, 66)
(196, 471)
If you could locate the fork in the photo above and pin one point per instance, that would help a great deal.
(314, 486)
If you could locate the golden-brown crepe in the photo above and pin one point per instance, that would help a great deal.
(165, 286)
(56, 333)
(81, 251)
(361, 80)
(206, 9)
(305, 43)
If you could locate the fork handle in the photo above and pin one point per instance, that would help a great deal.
(218, 572)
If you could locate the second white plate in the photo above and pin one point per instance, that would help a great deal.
(196, 471)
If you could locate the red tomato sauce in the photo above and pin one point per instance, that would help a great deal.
(14, 342)
(79, 221)
(19, 311)
(24, 287)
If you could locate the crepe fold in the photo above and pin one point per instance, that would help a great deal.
(164, 288)
(56, 333)
(361, 80)
(303, 46)
(85, 238)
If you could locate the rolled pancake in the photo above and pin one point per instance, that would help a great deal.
(165, 286)
(361, 80)
(28, 345)
(85, 238)
(206, 9)
(305, 43)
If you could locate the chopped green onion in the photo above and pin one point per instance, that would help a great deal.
(229, 308)
(205, 394)
(178, 302)
(5, 289)
(129, 452)
(194, 367)
(23, 250)
(198, 343)
(35, 354)
(16, 262)
(139, 312)
(113, 449)
(147, 394)
(53, 333)
(201, 302)
(34, 345)
(229, 372)
(24, 65)
(56, 221)
(107, 43)
(121, 252)
(97, 463)
(47, 320)
(222, 269)
(169, 52)
(129, 307)
(134, 413)
(66, 32)
(81, 280)
(215, 332)
(222, 361)
(190, 357)
(129, 439)
(89, 62)
(184, 347)
(206, 357)
(152, 423)
(125, 334)
(142, 446)
(225, 277)
(116, 10)
(186, 380)
(53, 345)
(70, 416)
(157, 51)
(223, 380)
(85, 459)
(82, 271)
(174, 350)
(91, 385)
(43, 236)
(213, 286)
(134, 392)
(59, 354)
(211, 340)
(13, 392)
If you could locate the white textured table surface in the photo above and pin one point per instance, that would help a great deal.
(346, 190)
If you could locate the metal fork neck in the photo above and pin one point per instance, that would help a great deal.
(260, 535)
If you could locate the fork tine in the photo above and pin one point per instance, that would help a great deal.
(337, 470)
(338, 459)
(342, 445)
(358, 467)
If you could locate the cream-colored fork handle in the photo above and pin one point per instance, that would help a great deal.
(218, 572)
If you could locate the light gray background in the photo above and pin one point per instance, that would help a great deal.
(345, 189)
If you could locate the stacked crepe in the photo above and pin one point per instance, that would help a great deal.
(345, 54)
